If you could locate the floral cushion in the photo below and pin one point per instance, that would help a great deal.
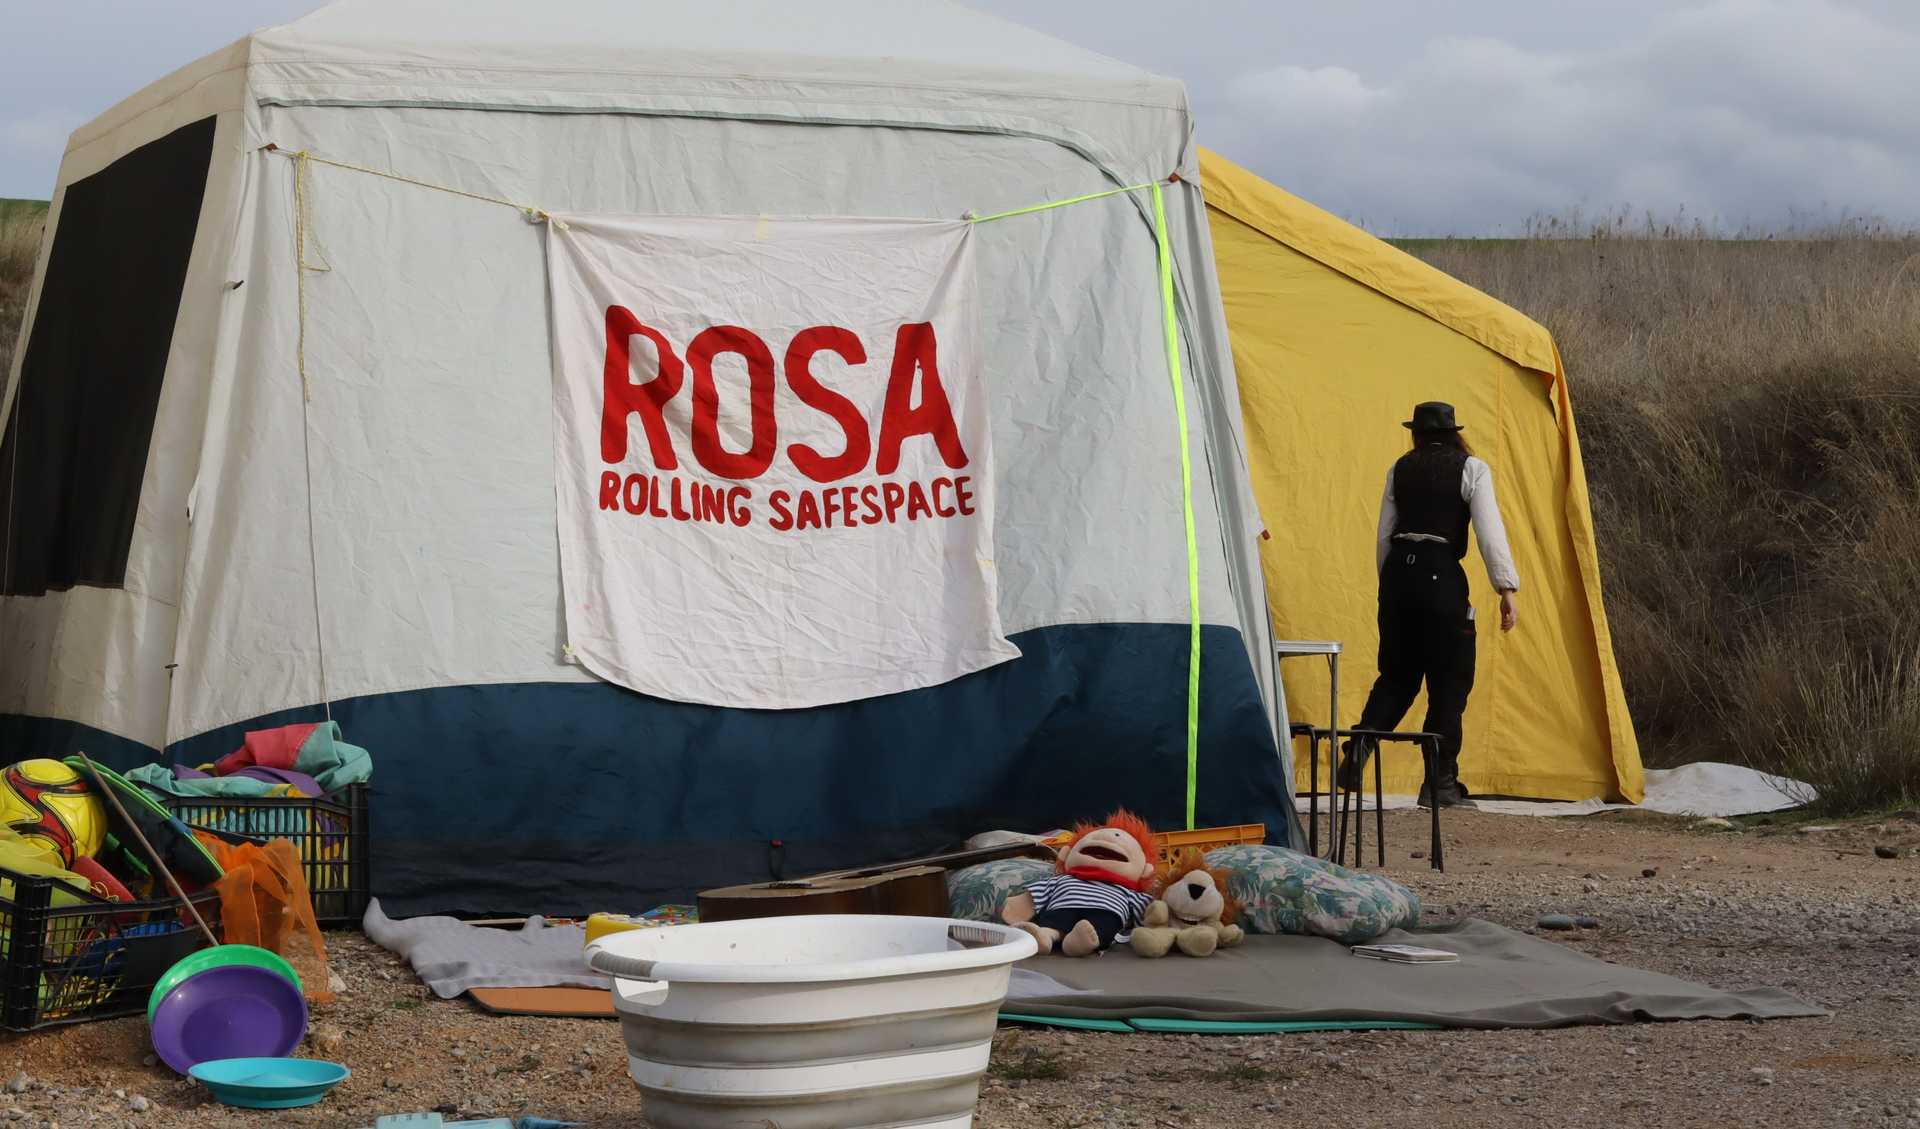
(977, 892)
(1283, 891)
(1280, 891)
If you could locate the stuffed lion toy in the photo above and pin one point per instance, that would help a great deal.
(1194, 912)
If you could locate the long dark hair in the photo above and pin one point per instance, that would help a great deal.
(1450, 438)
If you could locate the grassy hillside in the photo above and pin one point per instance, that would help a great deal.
(1749, 413)
(21, 222)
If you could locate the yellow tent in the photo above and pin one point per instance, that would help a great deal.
(1336, 335)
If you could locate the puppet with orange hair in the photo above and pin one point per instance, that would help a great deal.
(1102, 891)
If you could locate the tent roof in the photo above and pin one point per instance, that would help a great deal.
(901, 38)
(923, 53)
(1326, 238)
(910, 63)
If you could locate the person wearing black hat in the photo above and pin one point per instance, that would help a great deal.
(1434, 492)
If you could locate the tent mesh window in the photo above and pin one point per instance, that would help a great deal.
(75, 449)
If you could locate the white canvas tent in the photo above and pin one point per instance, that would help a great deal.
(202, 543)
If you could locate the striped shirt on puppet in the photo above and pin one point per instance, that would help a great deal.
(1067, 892)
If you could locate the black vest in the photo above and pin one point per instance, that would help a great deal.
(1426, 494)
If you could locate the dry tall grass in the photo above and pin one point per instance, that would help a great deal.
(19, 244)
(1750, 419)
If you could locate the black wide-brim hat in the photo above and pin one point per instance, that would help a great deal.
(1432, 416)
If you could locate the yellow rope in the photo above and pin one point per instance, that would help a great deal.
(303, 162)
(302, 224)
(303, 159)
(303, 156)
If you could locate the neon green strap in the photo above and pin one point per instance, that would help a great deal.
(1062, 203)
(1170, 315)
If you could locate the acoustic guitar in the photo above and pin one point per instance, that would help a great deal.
(913, 888)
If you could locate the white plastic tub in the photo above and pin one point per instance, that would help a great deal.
(817, 1022)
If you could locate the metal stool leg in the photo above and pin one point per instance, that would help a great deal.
(1333, 721)
(1432, 750)
(1313, 794)
(1360, 818)
(1336, 820)
(1360, 821)
(1340, 825)
(1380, 803)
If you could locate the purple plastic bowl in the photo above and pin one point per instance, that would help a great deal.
(234, 1011)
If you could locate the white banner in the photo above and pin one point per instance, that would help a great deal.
(772, 456)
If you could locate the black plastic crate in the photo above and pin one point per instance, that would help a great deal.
(65, 963)
(330, 836)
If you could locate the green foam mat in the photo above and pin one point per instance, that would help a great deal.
(1222, 1027)
(1214, 1027)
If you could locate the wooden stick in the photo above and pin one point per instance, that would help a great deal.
(153, 856)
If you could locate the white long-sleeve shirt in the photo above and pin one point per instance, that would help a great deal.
(1476, 489)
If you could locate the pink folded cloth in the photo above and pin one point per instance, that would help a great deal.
(267, 748)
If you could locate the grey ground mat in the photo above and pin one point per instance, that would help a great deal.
(453, 957)
(1502, 979)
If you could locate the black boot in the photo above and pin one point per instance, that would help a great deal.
(1353, 763)
(1450, 791)
(1447, 789)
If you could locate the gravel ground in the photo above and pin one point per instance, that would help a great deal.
(1820, 913)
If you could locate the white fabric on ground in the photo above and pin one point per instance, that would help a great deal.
(1026, 984)
(1704, 789)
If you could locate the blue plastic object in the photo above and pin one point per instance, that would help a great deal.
(269, 1083)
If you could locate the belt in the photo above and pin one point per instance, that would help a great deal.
(1419, 544)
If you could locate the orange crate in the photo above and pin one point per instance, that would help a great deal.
(1205, 838)
(1208, 838)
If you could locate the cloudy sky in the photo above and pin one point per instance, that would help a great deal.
(1408, 116)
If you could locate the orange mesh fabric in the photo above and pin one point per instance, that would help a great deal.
(264, 902)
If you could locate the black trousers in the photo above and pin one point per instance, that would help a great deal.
(1106, 923)
(1426, 635)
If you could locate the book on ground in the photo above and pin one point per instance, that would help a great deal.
(1405, 954)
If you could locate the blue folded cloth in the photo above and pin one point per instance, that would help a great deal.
(162, 778)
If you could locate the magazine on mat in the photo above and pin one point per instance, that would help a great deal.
(1405, 954)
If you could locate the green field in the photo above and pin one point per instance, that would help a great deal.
(11, 208)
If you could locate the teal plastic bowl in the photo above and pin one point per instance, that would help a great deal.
(269, 1083)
